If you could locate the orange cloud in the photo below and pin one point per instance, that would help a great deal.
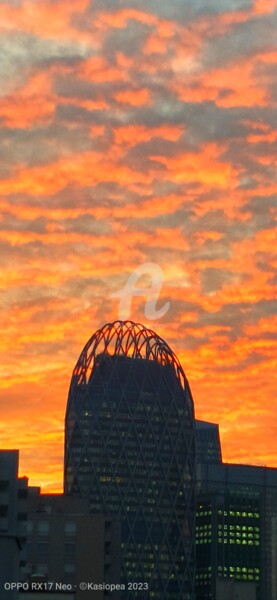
(261, 7)
(118, 19)
(34, 103)
(133, 97)
(130, 135)
(270, 138)
(98, 70)
(134, 176)
(33, 17)
(228, 87)
(204, 166)
(156, 45)
(88, 168)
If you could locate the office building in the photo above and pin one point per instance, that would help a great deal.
(235, 530)
(130, 449)
(13, 515)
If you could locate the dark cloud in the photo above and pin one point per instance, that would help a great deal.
(22, 52)
(178, 10)
(42, 144)
(215, 279)
(13, 223)
(86, 224)
(207, 122)
(251, 360)
(241, 41)
(236, 315)
(130, 40)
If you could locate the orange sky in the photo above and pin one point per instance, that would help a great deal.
(136, 133)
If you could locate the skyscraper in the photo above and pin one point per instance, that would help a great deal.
(130, 448)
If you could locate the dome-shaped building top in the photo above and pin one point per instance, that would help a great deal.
(125, 338)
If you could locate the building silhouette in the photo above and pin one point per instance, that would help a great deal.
(208, 446)
(130, 449)
(13, 516)
(69, 545)
(235, 530)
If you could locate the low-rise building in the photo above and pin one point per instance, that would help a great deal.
(71, 547)
(13, 515)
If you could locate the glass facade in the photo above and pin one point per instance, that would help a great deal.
(228, 538)
(130, 448)
(235, 539)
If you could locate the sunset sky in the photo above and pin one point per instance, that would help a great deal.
(138, 132)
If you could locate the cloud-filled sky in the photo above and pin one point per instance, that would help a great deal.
(138, 132)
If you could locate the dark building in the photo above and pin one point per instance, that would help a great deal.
(13, 515)
(68, 545)
(234, 590)
(130, 449)
(208, 446)
(235, 530)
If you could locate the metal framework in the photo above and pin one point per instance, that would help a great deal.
(130, 448)
(128, 339)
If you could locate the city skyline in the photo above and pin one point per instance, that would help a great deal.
(132, 134)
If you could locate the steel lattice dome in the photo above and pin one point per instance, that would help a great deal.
(125, 338)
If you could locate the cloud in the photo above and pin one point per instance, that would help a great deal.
(135, 133)
(23, 52)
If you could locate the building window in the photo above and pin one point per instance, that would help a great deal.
(70, 528)
(22, 516)
(29, 549)
(43, 527)
(22, 493)
(4, 486)
(69, 568)
(69, 549)
(42, 548)
(30, 526)
(41, 568)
